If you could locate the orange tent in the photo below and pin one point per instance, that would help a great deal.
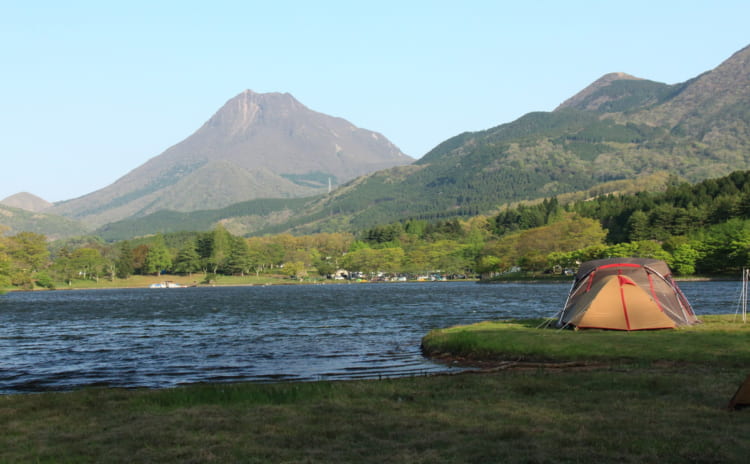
(625, 294)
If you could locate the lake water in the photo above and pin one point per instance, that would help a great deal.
(60, 340)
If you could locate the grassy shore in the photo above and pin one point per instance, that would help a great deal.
(719, 340)
(141, 281)
(590, 406)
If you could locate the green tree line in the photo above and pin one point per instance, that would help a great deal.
(701, 228)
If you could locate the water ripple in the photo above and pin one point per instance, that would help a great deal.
(61, 340)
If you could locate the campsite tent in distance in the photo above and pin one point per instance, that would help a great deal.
(626, 294)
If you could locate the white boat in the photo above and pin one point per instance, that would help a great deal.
(166, 284)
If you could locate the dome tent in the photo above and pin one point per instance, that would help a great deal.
(625, 294)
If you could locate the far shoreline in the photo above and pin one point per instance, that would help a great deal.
(229, 281)
(137, 282)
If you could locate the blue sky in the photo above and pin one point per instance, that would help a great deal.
(91, 90)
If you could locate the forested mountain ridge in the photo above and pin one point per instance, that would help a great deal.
(619, 92)
(620, 127)
(255, 146)
(696, 228)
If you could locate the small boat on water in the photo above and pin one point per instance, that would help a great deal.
(166, 284)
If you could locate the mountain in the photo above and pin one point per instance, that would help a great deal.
(255, 146)
(618, 92)
(26, 201)
(239, 219)
(15, 220)
(618, 128)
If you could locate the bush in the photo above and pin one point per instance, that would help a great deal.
(45, 281)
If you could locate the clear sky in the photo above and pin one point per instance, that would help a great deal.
(92, 89)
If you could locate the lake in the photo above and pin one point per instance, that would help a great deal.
(156, 338)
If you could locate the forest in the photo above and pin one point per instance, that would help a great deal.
(701, 228)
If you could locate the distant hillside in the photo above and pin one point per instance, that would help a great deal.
(620, 127)
(53, 226)
(26, 201)
(240, 219)
(255, 146)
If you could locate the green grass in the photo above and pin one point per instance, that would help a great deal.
(628, 408)
(718, 340)
(620, 415)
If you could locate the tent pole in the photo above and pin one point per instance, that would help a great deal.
(745, 274)
(677, 290)
(742, 305)
(562, 311)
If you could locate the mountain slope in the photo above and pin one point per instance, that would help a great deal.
(53, 226)
(255, 146)
(619, 92)
(26, 201)
(620, 127)
(239, 218)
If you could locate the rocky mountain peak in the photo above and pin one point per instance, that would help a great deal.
(257, 145)
(250, 108)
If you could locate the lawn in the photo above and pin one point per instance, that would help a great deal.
(717, 340)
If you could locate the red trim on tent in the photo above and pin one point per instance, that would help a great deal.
(610, 328)
(653, 292)
(619, 265)
(623, 281)
(591, 280)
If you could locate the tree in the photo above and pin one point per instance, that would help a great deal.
(684, 257)
(110, 255)
(570, 234)
(28, 254)
(214, 248)
(371, 260)
(188, 260)
(29, 251)
(488, 266)
(139, 258)
(638, 228)
(4, 263)
(390, 259)
(124, 266)
(723, 247)
(158, 257)
(87, 263)
(295, 269)
(239, 260)
(264, 253)
(325, 266)
(63, 266)
(332, 246)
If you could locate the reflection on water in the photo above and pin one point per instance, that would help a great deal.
(164, 337)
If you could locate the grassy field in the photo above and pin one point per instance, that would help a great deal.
(718, 340)
(619, 402)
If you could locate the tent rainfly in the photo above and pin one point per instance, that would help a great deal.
(625, 294)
